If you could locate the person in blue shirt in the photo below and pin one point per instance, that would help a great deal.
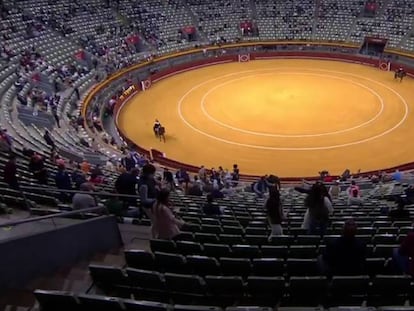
(397, 176)
(260, 187)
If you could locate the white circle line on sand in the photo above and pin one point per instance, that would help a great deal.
(180, 102)
(205, 112)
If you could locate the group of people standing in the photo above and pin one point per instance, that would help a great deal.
(318, 208)
(318, 203)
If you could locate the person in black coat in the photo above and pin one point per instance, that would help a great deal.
(345, 255)
(37, 167)
(168, 178)
(48, 139)
(63, 181)
(210, 208)
(126, 183)
(128, 162)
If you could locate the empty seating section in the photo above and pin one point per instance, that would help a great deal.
(230, 260)
(160, 22)
(393, 22)
(221, 19)
(334, 19)
(286, 20)
(95, 26)
(56, 49)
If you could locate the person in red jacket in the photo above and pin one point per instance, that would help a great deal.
(403, 256)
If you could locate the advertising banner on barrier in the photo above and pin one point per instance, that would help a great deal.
(146, 84)
(243, 58)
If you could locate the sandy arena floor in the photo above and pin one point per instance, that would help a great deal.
(286, 117)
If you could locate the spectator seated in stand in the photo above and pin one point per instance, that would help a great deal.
(354, 194)
(228, 191)
(37, 167)
(335, 190)
(403, 256)
(85, 167)
(397, 176)
(84, 200)
(118, 208)
(216, 192)
(165, 224)
(399, 213)
(63, 181)
(346, 255)
(210, 208)
(126, 184)
(195, 188)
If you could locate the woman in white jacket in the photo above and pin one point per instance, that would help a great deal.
(319, 207)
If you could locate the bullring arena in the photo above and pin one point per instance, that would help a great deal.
(312, 99)
(288, 116)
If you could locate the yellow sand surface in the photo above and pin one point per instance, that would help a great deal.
(286, 117)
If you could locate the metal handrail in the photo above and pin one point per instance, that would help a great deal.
(39, 218)
(108, 194)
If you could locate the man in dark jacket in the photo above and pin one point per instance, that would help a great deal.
(37, 167)
(78, 178)
(48, 139)
(128, 162)
(210, 208)
(127, 184)
(63, 181)
(147, 187)
(346, 255)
